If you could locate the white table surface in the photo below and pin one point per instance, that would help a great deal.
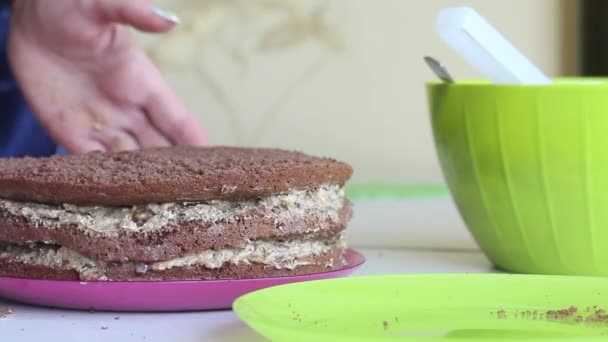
(414, 245)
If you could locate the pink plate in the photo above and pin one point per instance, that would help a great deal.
(152, 295)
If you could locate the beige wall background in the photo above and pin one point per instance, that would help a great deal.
(341, 78)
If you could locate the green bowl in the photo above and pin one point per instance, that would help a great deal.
(528, 169)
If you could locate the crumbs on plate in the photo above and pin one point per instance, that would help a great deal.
(571, 314)
(5, 312)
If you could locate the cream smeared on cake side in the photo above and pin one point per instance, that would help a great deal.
(286, 254)
(323, 202)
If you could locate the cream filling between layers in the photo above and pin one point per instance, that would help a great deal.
(323, 202)
(287, 254)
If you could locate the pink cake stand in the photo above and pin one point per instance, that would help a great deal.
(152, 295)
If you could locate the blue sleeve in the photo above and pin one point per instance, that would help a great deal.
(20, 132)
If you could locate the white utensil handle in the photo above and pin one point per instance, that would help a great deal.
(485, 48)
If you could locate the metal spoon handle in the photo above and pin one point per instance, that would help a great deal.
(438, 69)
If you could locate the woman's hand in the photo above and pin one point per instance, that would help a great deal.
(88, 82)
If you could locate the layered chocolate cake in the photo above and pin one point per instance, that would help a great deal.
(172, 214)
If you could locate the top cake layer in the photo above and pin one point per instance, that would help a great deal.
(165, 175)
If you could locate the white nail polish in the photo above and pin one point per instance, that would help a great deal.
(166, 15)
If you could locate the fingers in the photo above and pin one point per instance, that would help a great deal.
(171, 117)
(109, 129)
(128, 130)
(80, 144)
(119, 140)
(140, 14)
(114, 141)
(147, 135)
(111, 140)
(70, 129)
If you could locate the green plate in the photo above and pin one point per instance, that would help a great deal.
(479, 307)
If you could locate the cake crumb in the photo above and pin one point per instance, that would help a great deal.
(570, 314)
(227, 189)
(5, 312)
(501, 314)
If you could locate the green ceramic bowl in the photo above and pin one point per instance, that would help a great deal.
(528, 169)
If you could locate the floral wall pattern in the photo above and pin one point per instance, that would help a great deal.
(341, 78)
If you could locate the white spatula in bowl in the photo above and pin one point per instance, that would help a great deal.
(482, 46)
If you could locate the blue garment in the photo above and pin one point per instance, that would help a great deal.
(20, 132)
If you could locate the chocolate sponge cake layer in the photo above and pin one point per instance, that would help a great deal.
(175, 213)
(171, 242)
(162, 232)
(318, 264)
(165, 175)
(260, 259)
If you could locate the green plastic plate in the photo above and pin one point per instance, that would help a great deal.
(477, 307)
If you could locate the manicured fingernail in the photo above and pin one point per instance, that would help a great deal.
(166, 15)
